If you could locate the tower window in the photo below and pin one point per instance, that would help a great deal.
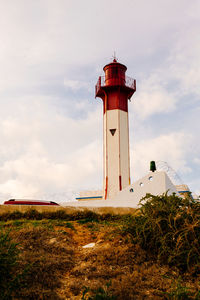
(112, 131)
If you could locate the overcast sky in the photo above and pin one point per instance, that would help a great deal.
(51, 54)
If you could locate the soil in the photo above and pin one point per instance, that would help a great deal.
(59, 267)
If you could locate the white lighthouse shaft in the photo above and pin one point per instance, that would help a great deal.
(116, 152)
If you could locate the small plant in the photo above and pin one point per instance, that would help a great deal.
(85, 216)
(18, 223)
(32, 214)
(69, 225)
(98, 294)
(181, 292)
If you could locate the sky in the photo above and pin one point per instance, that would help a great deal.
(51, 55)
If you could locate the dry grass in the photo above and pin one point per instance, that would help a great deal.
(115, 268)
(47, 255)
(128, 269)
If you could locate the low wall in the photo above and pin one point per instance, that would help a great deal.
(67, 209)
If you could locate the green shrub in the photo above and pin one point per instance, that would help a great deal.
(169, 227)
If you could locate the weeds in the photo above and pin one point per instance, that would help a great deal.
(61, 214)
(181, 292)
(101, 293)
(169, 227)
(9, 260)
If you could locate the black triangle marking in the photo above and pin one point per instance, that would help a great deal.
(112, 131)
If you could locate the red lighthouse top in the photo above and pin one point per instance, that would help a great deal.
(115, 77)
(114, 73)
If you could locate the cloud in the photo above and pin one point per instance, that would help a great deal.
(76, 84)
(51, 56)
(31, 175)
(172, 148)
(197, 161)
(152, 99)
(48, 152)
(184, 61)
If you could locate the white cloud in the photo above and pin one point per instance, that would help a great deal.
(47, 152)
(184, 61)
(197, 160)
(76, 84)
(152, 99)
(51, 56)
(172, 148)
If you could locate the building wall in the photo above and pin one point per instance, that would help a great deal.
(90, 195)
(155, 183)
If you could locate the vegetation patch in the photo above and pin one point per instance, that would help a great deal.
(169, 228)
(9, 261)
(153, 254)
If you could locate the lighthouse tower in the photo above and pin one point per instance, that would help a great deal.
(115, 89)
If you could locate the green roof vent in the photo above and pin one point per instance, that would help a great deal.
(152, 166)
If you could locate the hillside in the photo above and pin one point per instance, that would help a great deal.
(58, 266)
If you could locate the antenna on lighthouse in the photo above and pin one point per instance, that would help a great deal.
(114, 57)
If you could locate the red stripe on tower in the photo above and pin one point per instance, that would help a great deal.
(120, 182)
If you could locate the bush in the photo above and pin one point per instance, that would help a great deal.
(169, 227)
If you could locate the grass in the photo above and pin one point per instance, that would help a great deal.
(49, 254)
(100, 293)
(85, 216)
(142, 256)
(181, 292)
(9, 261)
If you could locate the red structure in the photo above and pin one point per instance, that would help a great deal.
(115, 89)
(30, 202)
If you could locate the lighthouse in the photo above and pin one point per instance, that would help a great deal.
(115, 89)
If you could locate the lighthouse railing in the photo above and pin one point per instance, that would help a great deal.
(129, 82)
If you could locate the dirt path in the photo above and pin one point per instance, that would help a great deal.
(82, 236)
